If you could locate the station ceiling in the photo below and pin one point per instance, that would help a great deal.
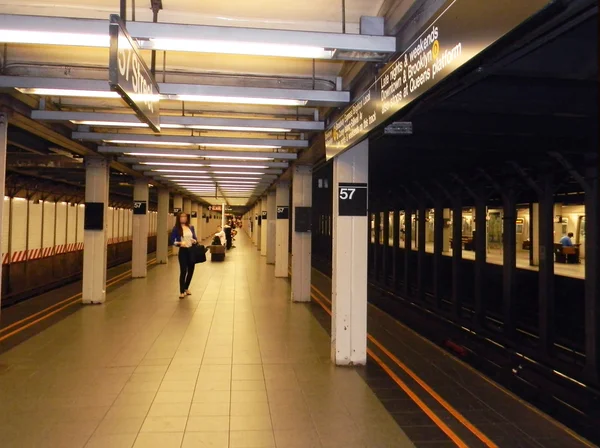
(233, 123)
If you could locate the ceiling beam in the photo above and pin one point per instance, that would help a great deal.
(184, 121)
(207, 164)
(188, 140)
(100, 88)
(197, 153)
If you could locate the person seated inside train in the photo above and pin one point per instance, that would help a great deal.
(566, 240)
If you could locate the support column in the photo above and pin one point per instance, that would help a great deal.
(438, 245)
(534, 228)
(3, 144)
(272, 227)
(509, 250)
(200, 230)
(223, 209)
(177, 208)
(258, 224)
(350, 252)
(407, 248)
(592, 258)
(162, 227)
(255, 228)
(385, 247)
(282, 229)
(421, 225)
(196, 220)
(301, 241)
(376, 246)
(456, 256)
(480, 257)
(95, 241)
(139, 250)
(543, 241)
(187, 205)
(395, 247)
(264, 226)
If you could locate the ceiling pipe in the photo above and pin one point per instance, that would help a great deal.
(156, 6)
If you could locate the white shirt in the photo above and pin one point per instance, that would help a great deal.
(222, 237)
(186, 239)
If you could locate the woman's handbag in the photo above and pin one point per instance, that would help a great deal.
(198, 253)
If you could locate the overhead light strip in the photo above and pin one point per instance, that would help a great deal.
(214, 39)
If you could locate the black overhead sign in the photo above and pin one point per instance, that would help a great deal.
(129, 75)
(458, 32)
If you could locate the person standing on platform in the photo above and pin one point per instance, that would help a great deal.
(184, 237)
(228, 230)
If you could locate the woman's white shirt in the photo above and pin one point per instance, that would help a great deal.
(187, 238)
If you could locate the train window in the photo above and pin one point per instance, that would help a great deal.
(381, 224)
(391, 228)
(402, 226)
(372, 225)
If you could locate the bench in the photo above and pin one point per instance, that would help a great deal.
(566, 254)
(217, 253)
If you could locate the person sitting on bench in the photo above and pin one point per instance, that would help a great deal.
(221, 235)
(566, 241)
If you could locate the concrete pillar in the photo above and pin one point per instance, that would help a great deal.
(162, 227)
(177, 203)
(301, 241)
(3, 144)
(139, 250)
(271, 227)
(349, 257)
(255, 229)
(177, 208)
(194, 220)
(282, 232)
(558, 233)
(95, 240)
(447, 231)
(535, 236)
(223, 209)
(263, 227)
(187, 205)
(200, 231)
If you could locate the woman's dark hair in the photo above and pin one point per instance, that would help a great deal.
(178, 223)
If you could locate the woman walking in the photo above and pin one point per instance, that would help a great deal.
(184, 237)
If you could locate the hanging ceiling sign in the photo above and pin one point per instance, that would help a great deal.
(130, 77)
(457, 33)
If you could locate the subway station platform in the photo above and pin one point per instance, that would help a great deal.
(236, 364)
(233, 365)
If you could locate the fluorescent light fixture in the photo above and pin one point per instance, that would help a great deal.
(241, 178)
(133, 124)
(111, 123)
(237, 172)
(256, 167)
(54, 38)
(227, 145)
(150, 154)
(172, 164)
(238, 158)
(235, 128)
(180, 171)
(69, 92)
(238, 182)
(237, 100)
(193, 177)
(243, 48)
(149, 142)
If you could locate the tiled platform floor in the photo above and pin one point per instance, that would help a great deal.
(234, 365)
